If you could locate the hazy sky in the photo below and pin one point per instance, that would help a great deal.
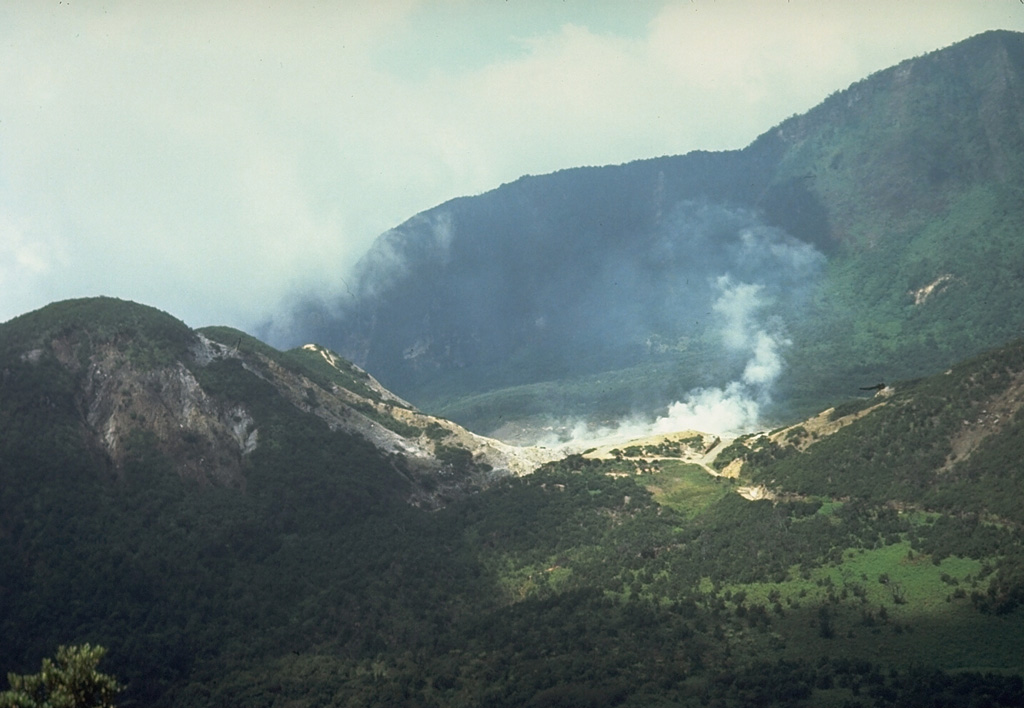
(208, 158)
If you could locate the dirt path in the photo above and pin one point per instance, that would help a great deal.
(701, 453)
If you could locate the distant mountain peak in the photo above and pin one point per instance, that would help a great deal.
(542, 296)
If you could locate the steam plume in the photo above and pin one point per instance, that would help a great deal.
(736, 407)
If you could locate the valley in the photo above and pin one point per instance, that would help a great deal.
(824, 562)
(609, 437)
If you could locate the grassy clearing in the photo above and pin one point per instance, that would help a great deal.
(876, 578)
(685, 487)
(891, 606)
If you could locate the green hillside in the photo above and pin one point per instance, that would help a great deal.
(919, 171)
(883, 566)
(880, 232)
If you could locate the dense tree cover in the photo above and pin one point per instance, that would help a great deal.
(903, 454)
(149, 336)
(70, 681)
(584, 583)
(566, 587)
(903, 450)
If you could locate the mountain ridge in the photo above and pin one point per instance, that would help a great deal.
(241, 525)
(129, 372)
(872, 554)
(906, 176)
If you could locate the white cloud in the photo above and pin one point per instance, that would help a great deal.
(23, 255)
(208, 157)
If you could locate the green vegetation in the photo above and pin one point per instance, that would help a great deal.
(71, 681)
(664, 449)
(851, 407)
(319, 365)
(301, 361)
(885, 572)
(338, 373)
(900, 450)
(581, 293)
(146, 335)
(687, 488)
(568, 585)
(610, 394)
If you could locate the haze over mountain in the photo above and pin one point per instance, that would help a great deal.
(873, 237)
(246, 526)
(214, 162)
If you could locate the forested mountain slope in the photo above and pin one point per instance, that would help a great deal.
(140, 460)
(875, 236)
(122, 380)
(267, 554)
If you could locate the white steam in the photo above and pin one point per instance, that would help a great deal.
(732, 409)
(736, 407)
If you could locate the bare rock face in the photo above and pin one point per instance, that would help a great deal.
(441, 460)
(135, 392)
(207, 439)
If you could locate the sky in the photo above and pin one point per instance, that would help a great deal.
(216, 158)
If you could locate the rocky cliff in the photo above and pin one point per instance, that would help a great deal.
(127, 377)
